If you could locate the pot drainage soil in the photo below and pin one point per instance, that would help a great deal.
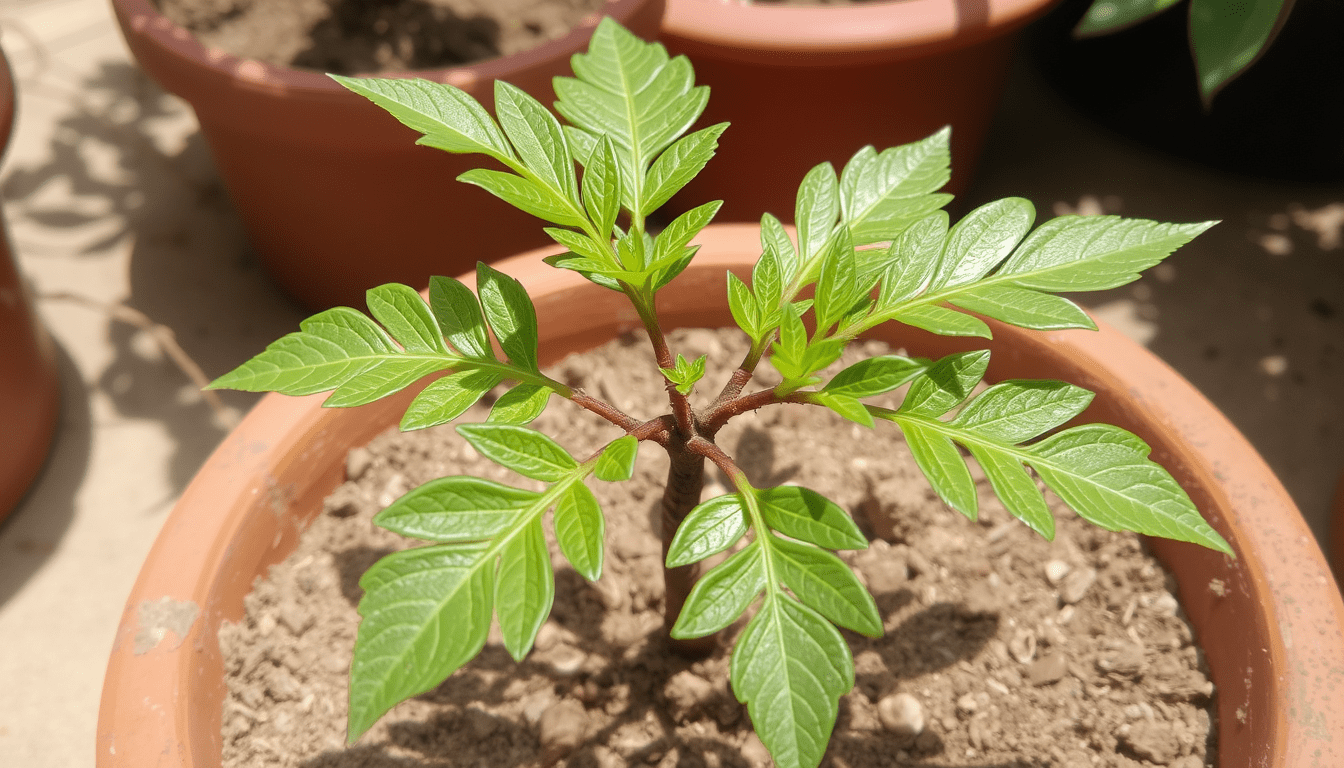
(350, 37)
(1001, 649)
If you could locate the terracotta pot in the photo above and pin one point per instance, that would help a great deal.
(29, 387)
(1270, 621)
(1337, 529)
(843, 77)
(334, 194)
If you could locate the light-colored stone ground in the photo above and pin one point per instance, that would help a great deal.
(112, 200)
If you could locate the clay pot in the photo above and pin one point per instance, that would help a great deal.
(1270, 621)
(334, 194)
(881, 73)
(29, 387)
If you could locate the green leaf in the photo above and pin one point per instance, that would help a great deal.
(946, 384)
(617, 462)
(981, 240)
(1016, 410)
(790, 667)
(844, 405)
(425, 612)
(942, 321)
(708, 529)
(1024, 307)
(838, 286)
(331, 348)
(942, 464)
(523, 194)
(774, 237)
(1226, 38)
(525, 451)
(580, 529)
(382, 379)
(815, 211)
(509, 311)
(459, 317)
(1093, 253)
(722, 594)
(455, 509)
(826, 585)
(807, 515)
(743, 306)
(768, 286)
(448, 117)
(524, 590)
(914, 258)
(1015, 488)
(681, 162)
(631, 91)
(599, 273)
(685, 375)
(537, 137)
(1104, 474)
(672, 241)
(406, 317)
(1105, 16)
(581, 245)
(602, 187)
(520, 405)
(875, 376)
(883, 193)
(447, 398)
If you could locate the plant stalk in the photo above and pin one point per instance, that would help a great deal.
(685, 478)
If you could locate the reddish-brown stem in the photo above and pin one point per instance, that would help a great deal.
(681, 407)
(718, 415)
(607, 411)
(685, 477)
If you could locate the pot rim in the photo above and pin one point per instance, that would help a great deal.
(873, 28)
(1277, 603)
(141, 19)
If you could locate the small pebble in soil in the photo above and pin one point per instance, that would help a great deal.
(562, 727)
(1055, 571)
(1050, 668)
(902, 714)
(1152, 741)
(1077, 584)
(357, 462)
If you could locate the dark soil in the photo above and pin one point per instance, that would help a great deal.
(1001, 649)
(350, 37)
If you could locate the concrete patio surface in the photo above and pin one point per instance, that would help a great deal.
(119, 219)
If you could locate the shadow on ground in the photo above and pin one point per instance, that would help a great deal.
(136, 175)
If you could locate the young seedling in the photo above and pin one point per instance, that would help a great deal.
(873, 245)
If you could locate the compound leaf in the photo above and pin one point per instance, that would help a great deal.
(722, 594)
(790, 667)
(447, 398)
(455, 509)
(520, 405)
(449, 118)
(708, 529)
(525, 451)
(425, 612)
(524, 589)
(826, 585)
(459, 317)
(510, 313)
(580, 529)
(807, 515)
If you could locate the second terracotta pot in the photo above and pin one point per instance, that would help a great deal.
(803, 85)
(334, 194)
(1269, 621)
(29, 387)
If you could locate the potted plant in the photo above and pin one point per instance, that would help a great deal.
(1249, 87)
(29, 388)
(844, 75)
(332, 195)
(1269, 617)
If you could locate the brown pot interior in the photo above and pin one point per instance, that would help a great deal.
(1231, 626)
